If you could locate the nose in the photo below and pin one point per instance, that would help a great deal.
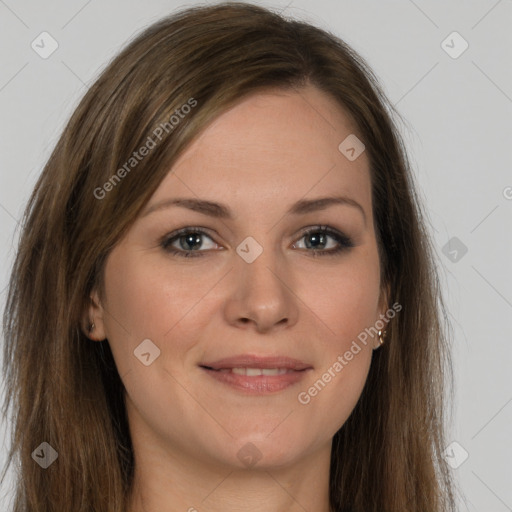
(263, 296)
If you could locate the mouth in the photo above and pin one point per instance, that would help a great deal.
(255, 374)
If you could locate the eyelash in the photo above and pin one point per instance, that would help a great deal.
(345, 243)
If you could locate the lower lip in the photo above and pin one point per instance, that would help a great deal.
(258, 384)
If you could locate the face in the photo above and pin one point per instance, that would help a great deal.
(233, 337)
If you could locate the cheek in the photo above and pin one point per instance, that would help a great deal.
(346, 300)
(347, 305)
(153, 301)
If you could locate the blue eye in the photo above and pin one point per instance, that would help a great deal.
(190, 240)
(319, 235)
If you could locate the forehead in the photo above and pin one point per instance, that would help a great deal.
(271, 148)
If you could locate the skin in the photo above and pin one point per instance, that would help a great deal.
(258, 158)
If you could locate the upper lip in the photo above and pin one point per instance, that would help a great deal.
(254, 361)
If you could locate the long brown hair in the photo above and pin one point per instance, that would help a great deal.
(65, 390)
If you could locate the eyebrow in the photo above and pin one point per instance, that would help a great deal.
(221, 211)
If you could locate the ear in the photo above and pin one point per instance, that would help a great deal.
(93, 325)
(385, 294)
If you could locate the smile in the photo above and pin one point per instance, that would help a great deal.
(256, 380)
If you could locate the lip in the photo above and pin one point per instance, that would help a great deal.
(258, 384)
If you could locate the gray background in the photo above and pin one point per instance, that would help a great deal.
(458, 132)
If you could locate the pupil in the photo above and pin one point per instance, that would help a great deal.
(317, 239)
(192, 240)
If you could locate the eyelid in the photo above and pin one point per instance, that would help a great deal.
(343, 240)
(187, 229)
(325, 229)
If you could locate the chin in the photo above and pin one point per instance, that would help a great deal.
(263, 451)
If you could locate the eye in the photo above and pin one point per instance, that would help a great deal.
(187, 242)
(317, 239)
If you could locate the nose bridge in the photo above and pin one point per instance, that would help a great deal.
(262, 284)
(258, 265)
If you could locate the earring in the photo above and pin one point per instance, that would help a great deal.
(91, 327)
(382, 335)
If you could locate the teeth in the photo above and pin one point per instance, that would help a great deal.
(254, 372)
(274, 371)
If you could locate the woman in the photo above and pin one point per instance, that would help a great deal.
(225, 295)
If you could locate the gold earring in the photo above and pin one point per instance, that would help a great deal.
(382, 335)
